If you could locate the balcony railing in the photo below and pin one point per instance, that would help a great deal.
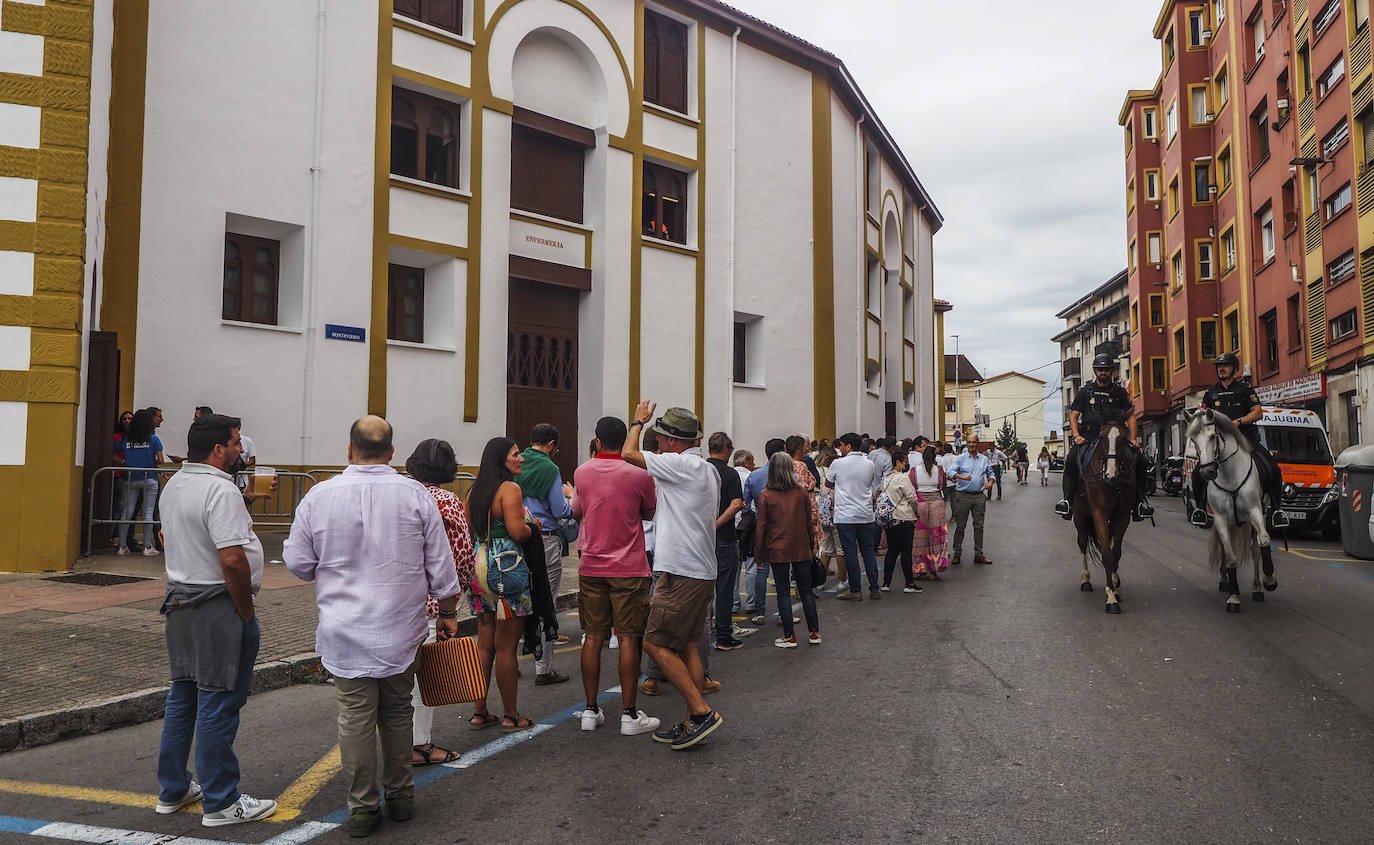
(1073, 368)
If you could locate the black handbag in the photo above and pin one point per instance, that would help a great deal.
(818, 573)
(744, 534)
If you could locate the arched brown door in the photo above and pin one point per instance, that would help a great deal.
(541, 366)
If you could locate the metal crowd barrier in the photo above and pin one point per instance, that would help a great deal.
(459, 486)
(276, 511)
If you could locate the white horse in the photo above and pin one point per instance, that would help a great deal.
(1235, 492)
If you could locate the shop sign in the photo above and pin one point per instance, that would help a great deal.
(1301, 389)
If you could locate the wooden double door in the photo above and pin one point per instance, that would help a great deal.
(541, 366)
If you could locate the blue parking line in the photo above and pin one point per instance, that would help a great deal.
(14, 824)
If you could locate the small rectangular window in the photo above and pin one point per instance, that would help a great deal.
(1294, 322)
(1333, 74)
(1222, 83)
(1266, 226)
(1343, 326)
(1228, 250)
(1207, 339)
(1171, 121)
(1147, 122)
(1326, 16)
(1152, 185)
(547, 173)
(1173, 198)
(1341, 269)
(1205, 266)
(1259, 131)
(252, 277)
(1154, 247)
(1195, 28)
(1366, 134)
(424, 137)
(1159, 380)
(665, 203)
(405, 312)
(1224, 169)
(1197, 96)
(741, 352)
(1269, 336)
(1178, 270)
(1232, 330)
(1202, 181)
(1255, 34)
(1337, 202)
(665, 61)
(1336, 138)
(1156, 310)
(444, 14)
(1180, 348)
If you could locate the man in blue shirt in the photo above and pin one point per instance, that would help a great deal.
(546, 497)
(973, 476)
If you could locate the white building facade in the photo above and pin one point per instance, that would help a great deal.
(473, 216)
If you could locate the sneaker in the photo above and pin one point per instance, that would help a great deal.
(850, 596)
(593, 719)
(400, 809)
(739, 631)
(912, 588)
(729, 645)
(247, 809)
(636, 723)
(759, 619)
(615, 641)
(786, 642)
(122, 550)
(362, 822)
(669, 734)
(815, 638)
(151, 552)
(885, 588)
(192, 795)
(649, 686)
(694, 731)
(710, 686)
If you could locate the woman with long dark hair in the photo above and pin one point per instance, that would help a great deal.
(928, 540)
(500, 595)
(433, 464)
(142, 450)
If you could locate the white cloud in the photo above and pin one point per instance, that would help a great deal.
(1007, 111)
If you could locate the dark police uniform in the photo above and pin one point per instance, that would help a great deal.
(1096, 406)
(1235, 402)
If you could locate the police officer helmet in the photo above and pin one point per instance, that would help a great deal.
(1228, 359)
(1103, 361)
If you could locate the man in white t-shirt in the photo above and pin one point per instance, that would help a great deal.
(855, 481)
(684, 558)
(214, 568)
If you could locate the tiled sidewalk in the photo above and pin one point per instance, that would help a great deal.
(66, 646)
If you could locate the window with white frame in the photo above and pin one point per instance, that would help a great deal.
(1326, 16)
(1336, 138)
(1196, 25)
(1152, 185)
(1341, 269)
(1344, 325)
(1228, 249)
(1312, 190)
(1223, 84)
(1337, 202)
(1171, 121)
(1178, 269)
(1147, 123)
(1256, 27)
(1219, 10)
(1266, 227)
(1205, 267)
(1154, 244)
(1331, 76)
(1198, 97)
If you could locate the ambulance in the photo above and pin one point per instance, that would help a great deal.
(1298, 439)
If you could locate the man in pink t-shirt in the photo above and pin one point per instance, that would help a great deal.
(611, 498)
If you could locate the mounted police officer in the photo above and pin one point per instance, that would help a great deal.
(1099, 402)
(1241, 405)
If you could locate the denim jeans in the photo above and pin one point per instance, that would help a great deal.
(783, 575)
(858, 538)
(148, 487)
(212, 717)
(755, 587)
(727, 587)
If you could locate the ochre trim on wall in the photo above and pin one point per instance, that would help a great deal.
(822, 257)
(381, 217)
(699, 394)
(634, 136)
(472, 335)
(124, 202)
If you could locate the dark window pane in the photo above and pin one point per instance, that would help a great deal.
(409, 8)
(439, 160)
(651, 48)
(546, 174)
(405, 159)
(665, 62)
(741, 361)
(445, 14)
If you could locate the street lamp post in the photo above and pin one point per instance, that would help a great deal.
(957, 425)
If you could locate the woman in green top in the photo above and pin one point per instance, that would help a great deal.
(500, 595)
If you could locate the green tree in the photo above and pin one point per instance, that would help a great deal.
(1006, 438)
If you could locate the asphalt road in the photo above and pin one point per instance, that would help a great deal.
(1001, 705)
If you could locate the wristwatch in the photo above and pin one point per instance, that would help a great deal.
(636, 422)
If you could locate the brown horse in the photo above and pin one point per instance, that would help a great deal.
(1102, 508)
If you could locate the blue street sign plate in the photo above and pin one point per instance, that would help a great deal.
(356, 334)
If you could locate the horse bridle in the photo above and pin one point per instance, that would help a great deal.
(1121, 460)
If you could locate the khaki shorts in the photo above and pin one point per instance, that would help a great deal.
(619, 603)
(677, 612)
(830, 543)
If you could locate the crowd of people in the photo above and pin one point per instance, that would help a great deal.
(663, 534)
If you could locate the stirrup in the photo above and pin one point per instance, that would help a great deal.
(1278, 519)
(1198, 517)
(1063, 508)
(1144, 509)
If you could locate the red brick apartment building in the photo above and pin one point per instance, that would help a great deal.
(1250, 210)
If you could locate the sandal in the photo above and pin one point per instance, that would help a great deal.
(482, 720)
(517, 723)
(429, 749)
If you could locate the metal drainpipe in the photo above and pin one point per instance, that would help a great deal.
(862, 386)
(734, 53)
(312, 259)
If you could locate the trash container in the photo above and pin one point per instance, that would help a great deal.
(1355, 481)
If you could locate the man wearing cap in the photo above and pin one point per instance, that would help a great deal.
(1241, 405)
(685, 558)
(1098, 403)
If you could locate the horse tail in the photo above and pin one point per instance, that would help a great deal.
(1094, 549)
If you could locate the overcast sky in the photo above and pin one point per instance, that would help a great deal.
(1007, 111)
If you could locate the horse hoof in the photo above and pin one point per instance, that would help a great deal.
(1257, 596)
(1271, 586)
(1223, 587)
(1085, 587)
(1233, 608)
(1114, 608)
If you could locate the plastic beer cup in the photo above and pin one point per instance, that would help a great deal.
(263, 478)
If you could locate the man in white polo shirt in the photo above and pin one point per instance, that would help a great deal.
(855, 481)
(214, 568)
